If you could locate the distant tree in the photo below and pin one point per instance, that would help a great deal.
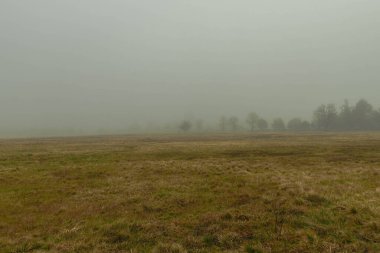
(325, 117)
(252, 120)
(362, 107)
(262, 124)
(294, 124)
(376, 119)
(185, 125)
(306, 125)
(278, 124)
(233, 123)
(361, 114)
(223, 123)
(345, 119)
(297, 124)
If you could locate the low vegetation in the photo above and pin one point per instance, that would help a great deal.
(226, 193)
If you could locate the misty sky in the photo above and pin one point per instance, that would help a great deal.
(93, 64)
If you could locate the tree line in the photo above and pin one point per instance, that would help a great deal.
(327, 117)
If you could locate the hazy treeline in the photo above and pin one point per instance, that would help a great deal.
(361, 116)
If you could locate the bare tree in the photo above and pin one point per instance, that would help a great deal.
(297, 124)
(294, 124)
(252, 120)
(345, 119)
(278, 124)
(325, 116)
(262, 124)
(185, 125)
(362, 113)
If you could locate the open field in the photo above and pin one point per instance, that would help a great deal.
(314, 192)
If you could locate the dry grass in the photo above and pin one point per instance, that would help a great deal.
(225, 193)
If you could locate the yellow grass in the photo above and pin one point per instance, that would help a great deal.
(313, 192)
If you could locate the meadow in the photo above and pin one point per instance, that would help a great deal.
(261, 192)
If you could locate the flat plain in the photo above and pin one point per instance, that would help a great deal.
(261, 192)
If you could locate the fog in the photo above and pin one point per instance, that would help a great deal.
(94, 65)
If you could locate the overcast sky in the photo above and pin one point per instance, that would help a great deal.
(105, 64)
